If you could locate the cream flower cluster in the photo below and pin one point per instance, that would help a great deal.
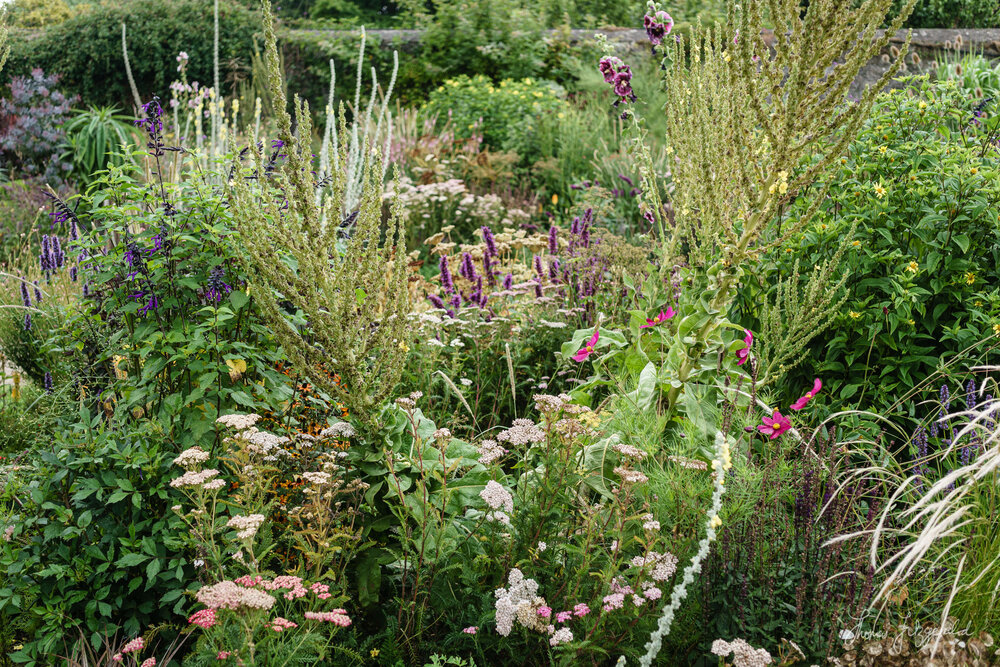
(744, 655)
(246, 525)
(229, 595)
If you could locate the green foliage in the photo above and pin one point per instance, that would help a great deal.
(349, 293)
(98, 136)
(93, 547)
(952, 14)
(157, 30)
(920, 185)
(504, 114)
(168, 328)
(37, 13)
(28, 419)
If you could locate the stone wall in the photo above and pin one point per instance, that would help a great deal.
(928, 43)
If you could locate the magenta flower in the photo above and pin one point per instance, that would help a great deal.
(743, 354)
(657, 26)
(563, 616)
(659, 319)
(471, 630)
(775, 425)
(545, 612)
(581, 610)
(587, 349)
(801, 403)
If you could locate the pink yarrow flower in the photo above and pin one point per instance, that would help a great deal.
(471, 630)
(580, 610)
(587, 349)
(659, 319)
(203, 618)
(811, 394)
(337, 617)
(223, 655)
(279, 624)
(775, 425)
(563, 616)
(136, 644)
(148, 662)
(743, 354)
(117, 657)
(545, 612)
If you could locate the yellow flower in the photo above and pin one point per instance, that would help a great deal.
(911, 322)
(912, 267)
(555, 199)
(715, 522)
(823, 226)
(560, 115)
(403, 346)
(855, 243)
(881, 149)
(879, 190)
(843, 160)
(970, 278)
(996, 329)
(854, 315)
(922, 105)
(374, 652)
(973, 171)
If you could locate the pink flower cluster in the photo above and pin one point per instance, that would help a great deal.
(203, 618)
(229, 595)
(322, 591)
(279, 624)
(136, 644)
(337, 617)
(223, 655)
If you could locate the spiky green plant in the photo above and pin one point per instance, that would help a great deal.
(750, 123)
(4, 47)
(350, 292)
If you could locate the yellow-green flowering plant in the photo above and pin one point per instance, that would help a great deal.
(753, 118)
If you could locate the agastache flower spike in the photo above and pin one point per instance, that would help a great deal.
(508, 281)
(587, 349)
(553, 240)
(801, 403)
(491, 244)
(446, 281)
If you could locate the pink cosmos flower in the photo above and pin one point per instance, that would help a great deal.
(471, 630)
(811, 394)
(743, 354)
(775, 426)
(659, 319)
(587, 349)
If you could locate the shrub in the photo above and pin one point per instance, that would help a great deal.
(167, 327)
(952, 14)
(157, 31)
(501, 113)
(922, 268)
(37, 13)
(93, 544)
(31, 135)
